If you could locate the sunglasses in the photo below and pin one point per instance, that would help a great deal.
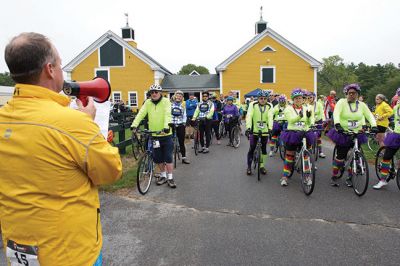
(154, 92)
(262, 98)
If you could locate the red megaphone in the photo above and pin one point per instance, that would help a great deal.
(98, 88)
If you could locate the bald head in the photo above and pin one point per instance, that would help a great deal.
(26, 55)
(332, 93)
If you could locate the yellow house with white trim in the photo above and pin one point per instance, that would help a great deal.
(268, 61)
(129, 70)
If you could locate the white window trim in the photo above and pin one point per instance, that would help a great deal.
(145, 95)
(273, 50)
(137, 98)
(238, 92)
(103, 69)
(261, 68)
(117, 92)
(123, 56)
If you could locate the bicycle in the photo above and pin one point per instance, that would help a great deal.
(257, 155)
(279, 143)
(315, 149)
(303, 159)
(235, 130)
(177, 149)
(357, 163)
(196, 136)
(145, 170)
(222, 130)
(394, 171)
(137, 145)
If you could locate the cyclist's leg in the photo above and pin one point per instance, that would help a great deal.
(180, 133)
(158, 160)
(216, 129)
(253, 142)
(167, 148)
(264, 141)
(288, 163)
(385, 166)
(208, 132)
(228, 129)
(338, 162)
(202, 129)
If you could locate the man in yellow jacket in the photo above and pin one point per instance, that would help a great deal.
(51, 158)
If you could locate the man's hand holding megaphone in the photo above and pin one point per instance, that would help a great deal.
(89, 109)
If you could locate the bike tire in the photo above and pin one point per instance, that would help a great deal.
(196, 142)
(315, 150)
(258, 164)
(144, 174)
(308, 188)
(360, 185)
(378, 160)
(398, 178)
(135, 147)
(236, 137)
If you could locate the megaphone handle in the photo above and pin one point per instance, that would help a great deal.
(84, 100)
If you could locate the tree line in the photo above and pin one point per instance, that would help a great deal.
(373, 79)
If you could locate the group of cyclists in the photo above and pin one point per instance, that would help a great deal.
(283, 121)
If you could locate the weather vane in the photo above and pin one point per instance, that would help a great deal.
(126, 15)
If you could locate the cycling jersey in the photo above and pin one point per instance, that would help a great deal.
(258, 118)
(295, 122)
(350, 115)
(204, 110)
(278, 112)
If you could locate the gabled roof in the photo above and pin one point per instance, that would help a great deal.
(102, 40)
(274, 35)
(182, 82)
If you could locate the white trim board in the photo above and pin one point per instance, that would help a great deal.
(274, 35)
(274, 68)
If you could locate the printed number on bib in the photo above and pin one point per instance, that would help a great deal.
(203, 107)
(261, 125)
(18, 254)
(353, 124)
(176, 111)
(281, 116)
(300, 124)
(156, 144)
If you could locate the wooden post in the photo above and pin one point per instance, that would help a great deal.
(121, 132)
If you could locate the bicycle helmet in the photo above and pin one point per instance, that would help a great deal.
(263, 93)
(282, 99)
(354, 86)
(229, 98)
(296, 92)
(155, 87)
(398, 92)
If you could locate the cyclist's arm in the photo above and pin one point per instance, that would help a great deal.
(271, 115)
(168, 115)
(211, 112)
(368, 115)
(337, 112)
(142, 113)
(291, 116)
(249, 116)
(196, 113)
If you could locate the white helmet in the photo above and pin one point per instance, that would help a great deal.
(155, 87)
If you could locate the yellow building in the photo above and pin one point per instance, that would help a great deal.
(268, 61)
(129, 70)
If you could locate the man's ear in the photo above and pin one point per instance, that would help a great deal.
(48, 70)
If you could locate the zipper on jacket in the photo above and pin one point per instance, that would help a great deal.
(97, 225)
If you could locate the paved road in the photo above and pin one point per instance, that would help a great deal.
(220, 216)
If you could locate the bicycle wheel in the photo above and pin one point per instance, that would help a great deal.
(315, 150)
(378, 160)
(175, 153)
(222, 129)
(360, 175)
(258, 163)
(136, 147)
(144, 173)
(398, 178)
(307, 175)
(236, 137)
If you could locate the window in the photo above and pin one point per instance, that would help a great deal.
(268, 49)
(117, 96)
(111, 54)
(267, 74)
(133, 99)
(102, 73)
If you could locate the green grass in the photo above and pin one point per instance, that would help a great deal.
(128, 180)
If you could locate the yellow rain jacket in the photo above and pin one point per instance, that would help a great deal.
(52, 158)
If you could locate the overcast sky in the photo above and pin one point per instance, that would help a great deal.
(207, 32)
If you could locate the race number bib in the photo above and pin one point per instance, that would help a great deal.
(260, 125)
(18, 254)
(176, 111)
(156, 144)
(300, 124)
(281, 116)
(353, 124)
(203, 107)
